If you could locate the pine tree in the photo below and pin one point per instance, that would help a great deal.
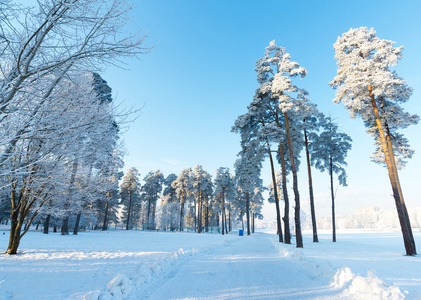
(129, 189)
(367, 86)
(329, 150)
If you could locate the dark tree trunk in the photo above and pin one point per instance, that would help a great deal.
(129, 210)
(229, 221)
(207, 218)
(252, 230)
(39, 221)
(248, 213)
(310, 188)
(275, 193)
(76, 229)
(105, 221)
(285, 194)
(47, 224)
(199, 229)
(223, 212)
(332, 193)
(181, 211)
(298, 234)
(65, 226)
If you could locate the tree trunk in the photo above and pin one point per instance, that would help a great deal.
(229, 221)
(39, 221)
(181, 210)
(310, 188)
(223, 212)
(154, 211)
(76, 229)
(47, 224)
(207, 218)
(285, 193)
(298, 235)
(248, 213)
(128, 210)
(252, 230)
(65, 225)
(199, 229)
(333, 199)
(404, 221)
(105, 222)
(275, 193)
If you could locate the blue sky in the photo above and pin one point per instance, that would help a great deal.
(200, 76)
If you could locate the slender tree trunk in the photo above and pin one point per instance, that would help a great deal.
(252, 231)
(39, 221)
(105, 221)
(154, 211)
(248, 213)
(181, 210)
(223, 212)
(404, 221)
(129, 210)
(226, 223)
(199, 229)
(207, 218)
(275, 193)
(333, 199)
(75, 230)
(229, 221)
(47, 224)
(310, 188)
(285, 194)
(298, 235)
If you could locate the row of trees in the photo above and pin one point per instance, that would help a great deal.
(191, 199)
(58, 129)
(282, 120)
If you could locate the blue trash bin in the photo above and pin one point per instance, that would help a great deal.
(241, 232)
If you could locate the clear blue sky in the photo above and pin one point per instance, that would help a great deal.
(200, 76)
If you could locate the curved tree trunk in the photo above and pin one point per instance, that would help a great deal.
(310, 188)
(298, 234)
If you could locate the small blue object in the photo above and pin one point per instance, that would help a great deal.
(241, 233)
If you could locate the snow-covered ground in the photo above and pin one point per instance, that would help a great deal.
(158, 265)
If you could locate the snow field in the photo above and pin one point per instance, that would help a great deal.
(122, 264)
(360, 253)
(121, 285)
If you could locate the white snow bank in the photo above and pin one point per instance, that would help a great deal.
(370, 287)
(122, 285)
(397, 276)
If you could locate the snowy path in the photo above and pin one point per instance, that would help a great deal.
(247, 268)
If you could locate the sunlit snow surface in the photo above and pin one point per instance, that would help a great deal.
(157, 265)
